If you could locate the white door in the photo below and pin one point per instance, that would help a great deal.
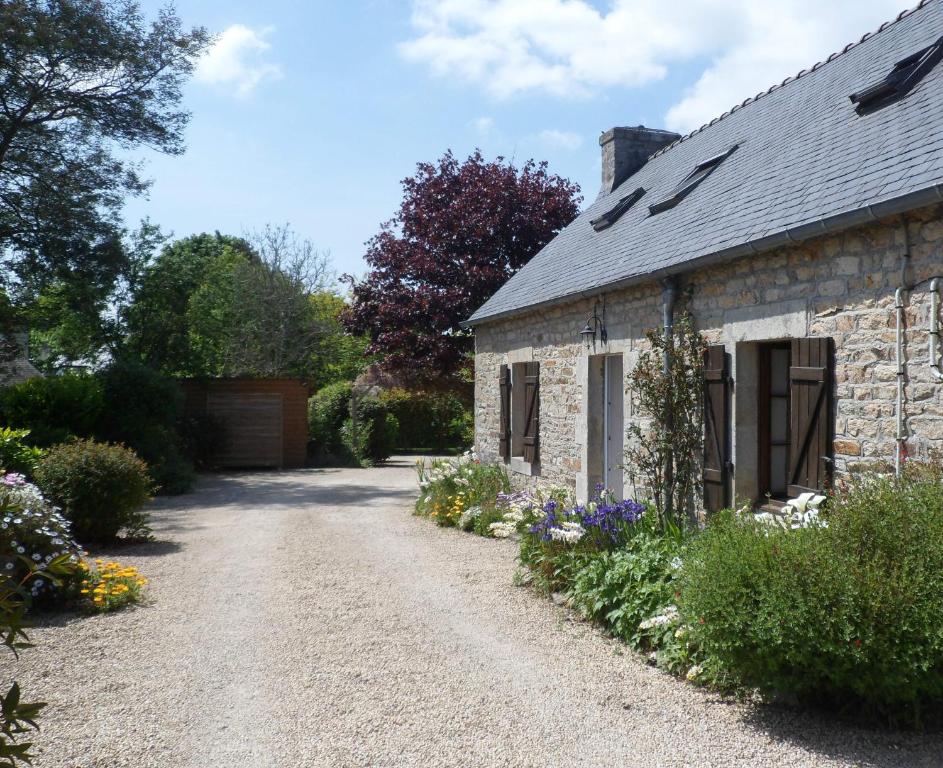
(615, 427)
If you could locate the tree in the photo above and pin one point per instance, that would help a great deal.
(81, 83)
(213, 305)
(157, 324)
(462, 229)
(255, 313)
(336, 355)
(83, 320)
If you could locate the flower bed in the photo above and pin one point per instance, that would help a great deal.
(110, 586)
(461, 491)
(35, 537)
(839, 604)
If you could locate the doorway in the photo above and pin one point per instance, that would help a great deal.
(613, 425)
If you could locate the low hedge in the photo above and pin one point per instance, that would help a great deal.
(849, 615)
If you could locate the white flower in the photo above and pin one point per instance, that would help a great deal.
(501, 530)
(668, 616)
(569, 533)
(694, 672)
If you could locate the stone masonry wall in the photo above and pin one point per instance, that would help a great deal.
(840, 286)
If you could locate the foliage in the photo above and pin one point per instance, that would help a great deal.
(848, 614)
(82, 320)
(559, 535)
(254, 316)
(454, 492)
(213, 305)
(666, 457)
(462, 229)
(15, 454)
(328, 409)
(335, 355)
(145, 413)
(370, 433)
(33, 534)
(110, 586)
(100, 487)
(158, 329)
(428, 420)
(54, 409)
(625, 589)
(83, 82)
(17, 717)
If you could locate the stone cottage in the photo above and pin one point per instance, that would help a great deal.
(803, 232)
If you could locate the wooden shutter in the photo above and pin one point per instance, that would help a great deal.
(810, 428)
(716, 475)
(531, 412)
(504, 430)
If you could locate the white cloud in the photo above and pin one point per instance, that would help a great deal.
(237, 59)
(484, 127)
(559, 139)
(569, 48)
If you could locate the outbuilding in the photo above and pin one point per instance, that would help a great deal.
(264, 421)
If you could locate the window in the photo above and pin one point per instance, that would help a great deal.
(899, 81)
(774, 420)
(691, 181)
(794, 418)
(519, 428)
(611, 216)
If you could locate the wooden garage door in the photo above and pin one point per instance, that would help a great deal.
(253, 425)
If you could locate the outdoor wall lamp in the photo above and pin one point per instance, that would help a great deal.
(595, 327)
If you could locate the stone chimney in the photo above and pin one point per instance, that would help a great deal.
(625, 150)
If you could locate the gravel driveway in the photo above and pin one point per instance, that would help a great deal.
(307, 619)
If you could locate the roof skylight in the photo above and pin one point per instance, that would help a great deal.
(700, 172)
(900, 80)
(611, 216)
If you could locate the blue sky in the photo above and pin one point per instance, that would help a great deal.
(311, 113)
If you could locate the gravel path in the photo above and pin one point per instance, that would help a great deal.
(307, 619)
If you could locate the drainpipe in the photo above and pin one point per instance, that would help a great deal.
(934, 337)
(899, 313)
(669, 296)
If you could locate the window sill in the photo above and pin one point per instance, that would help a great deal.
(521, 467)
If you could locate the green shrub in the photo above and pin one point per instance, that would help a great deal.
(33, 534)
(428, 420)
(848, 615)
(101, 488)
(145, 413)
(15, 454)
(623, 588)
(328, 409)
(54, 409)
(370, 437)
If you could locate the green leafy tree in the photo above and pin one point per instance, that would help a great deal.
(335, 355)
(212, 305)
(158, 319)
(82, 321)
(81, 82)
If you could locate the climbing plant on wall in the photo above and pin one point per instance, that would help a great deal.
(666, 444)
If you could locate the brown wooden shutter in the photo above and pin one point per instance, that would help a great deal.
(531, 412)
(504, 429)
(810, 403)
(716, 474)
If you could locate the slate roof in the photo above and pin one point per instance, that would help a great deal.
(806, 164)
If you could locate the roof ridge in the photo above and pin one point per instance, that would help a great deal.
(802, 73)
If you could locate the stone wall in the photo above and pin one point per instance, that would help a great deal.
(840, 286)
